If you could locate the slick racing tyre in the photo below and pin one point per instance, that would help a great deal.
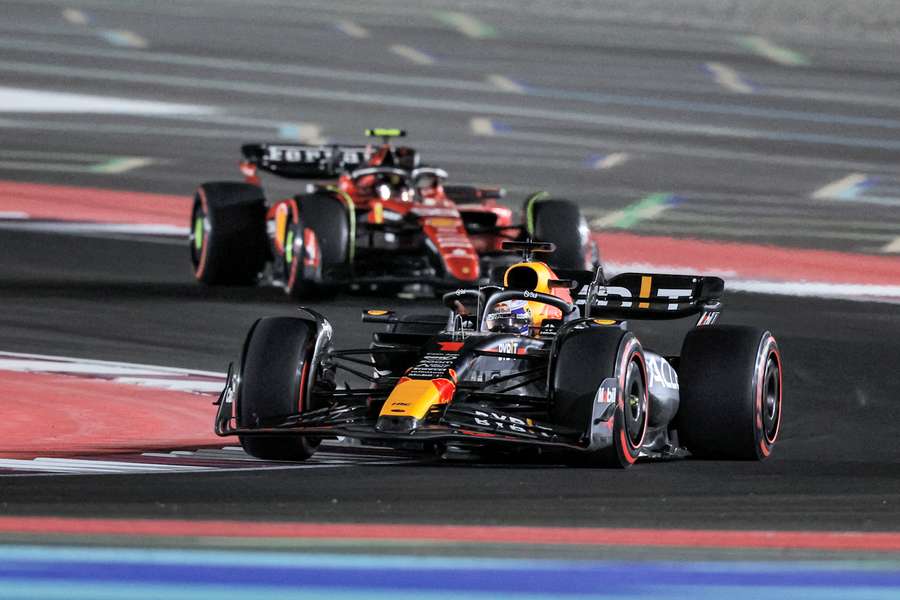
(730, 378)
(561, 222)
(275, 373)
(228, 233)
(584, 358)
(310, 258)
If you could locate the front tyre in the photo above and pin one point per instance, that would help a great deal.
(630, 419)
(583, 360)
(275, 377)
(731, 392)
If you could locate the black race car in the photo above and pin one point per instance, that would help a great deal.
(376, 218)
(544, 360)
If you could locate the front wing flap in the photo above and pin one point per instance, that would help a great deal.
(461, 422)
(485, 419)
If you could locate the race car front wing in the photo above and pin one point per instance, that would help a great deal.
(459, 421)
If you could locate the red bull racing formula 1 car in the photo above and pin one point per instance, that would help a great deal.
(384, 221)
(545, 361)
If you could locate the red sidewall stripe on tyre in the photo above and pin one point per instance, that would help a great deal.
(304, 373)
(768, 347)
(625, 441)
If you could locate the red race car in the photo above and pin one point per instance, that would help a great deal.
(375, 219)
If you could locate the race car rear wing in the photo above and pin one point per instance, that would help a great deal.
(653, 296)
(305, 161)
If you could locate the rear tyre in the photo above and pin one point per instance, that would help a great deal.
(584, 360)
(561, 222)
(275, 373)
(314, 257)
(228, 233)
(731, 386)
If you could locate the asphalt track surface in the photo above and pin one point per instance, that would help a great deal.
(744, 160)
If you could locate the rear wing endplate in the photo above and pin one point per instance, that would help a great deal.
(305, 161)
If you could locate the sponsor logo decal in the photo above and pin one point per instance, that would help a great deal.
(433, 365)
(661, 373)
(502, 422)
(606, 395)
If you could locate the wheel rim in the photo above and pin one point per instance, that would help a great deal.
(771, 400)
(289, 246)
(635, 411)
(198, 234)
(292, 259)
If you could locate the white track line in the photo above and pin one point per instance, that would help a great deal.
(124, 38)
(352, 29)
(775, 53)
(177, 233)
(892, 247)
(38, 363)
(412, 55)
(165, 378)
(74, 16)
(82, 466)
(467, 25)
(842, 189)
(611, 160)
(501, 82)
(42, 155)
(482, 126)
(728, 78)
(846, 291)
(121, 165)
(70, 465)
(19, 100)
(121, 466)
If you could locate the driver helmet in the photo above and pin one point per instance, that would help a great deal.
(428, 183)
(513, 316)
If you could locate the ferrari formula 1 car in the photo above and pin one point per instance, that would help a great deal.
(546, 361)
(387, 221)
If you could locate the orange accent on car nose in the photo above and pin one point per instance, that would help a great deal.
(415, 397)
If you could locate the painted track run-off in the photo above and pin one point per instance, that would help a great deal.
(85, 417)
